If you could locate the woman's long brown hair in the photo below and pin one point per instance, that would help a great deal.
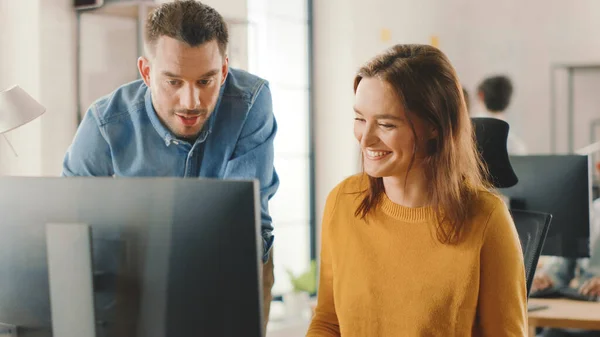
(428, 87)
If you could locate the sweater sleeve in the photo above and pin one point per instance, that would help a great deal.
(502, 305)
(325, 321)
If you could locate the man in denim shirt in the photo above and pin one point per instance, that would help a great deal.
(189, 115)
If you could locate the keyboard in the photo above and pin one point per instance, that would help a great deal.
(546, 293)
(573, 294)
(534, 307)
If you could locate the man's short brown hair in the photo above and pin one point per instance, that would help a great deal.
(188, 21)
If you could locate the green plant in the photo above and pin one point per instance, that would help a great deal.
(306, 281)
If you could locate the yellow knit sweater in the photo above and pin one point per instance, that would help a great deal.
(391, 277)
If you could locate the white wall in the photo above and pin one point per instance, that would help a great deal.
(335, 61)
(20, 64)
(57, 85)
(519, 38)
(229, 9)
(108, 55)
(37, 54)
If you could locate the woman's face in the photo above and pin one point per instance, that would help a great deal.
(384, 132)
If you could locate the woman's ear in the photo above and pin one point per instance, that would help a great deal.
(433, 133)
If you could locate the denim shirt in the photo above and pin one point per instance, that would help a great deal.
(121, 135)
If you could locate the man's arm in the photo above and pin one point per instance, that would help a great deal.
(89, 153)
(253, 158)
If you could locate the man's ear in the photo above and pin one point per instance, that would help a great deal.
(225, 69)
(144, 68)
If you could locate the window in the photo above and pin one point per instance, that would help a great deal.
(279, 52)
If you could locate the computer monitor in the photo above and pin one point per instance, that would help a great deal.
(559, 185)
(170, 256)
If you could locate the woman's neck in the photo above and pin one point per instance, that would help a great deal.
(408, 191)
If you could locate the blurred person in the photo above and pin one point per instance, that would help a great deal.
(495, 94)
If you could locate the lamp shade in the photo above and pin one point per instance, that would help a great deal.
(492, 136)
(17, 108)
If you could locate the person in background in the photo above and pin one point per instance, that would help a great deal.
(418, 244)
(189, 115)
(495, 94)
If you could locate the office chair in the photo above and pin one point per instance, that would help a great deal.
(491, 136)
(532, 228)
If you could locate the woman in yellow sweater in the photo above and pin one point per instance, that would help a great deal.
(417, 245)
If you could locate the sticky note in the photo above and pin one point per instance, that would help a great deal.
(385, 35)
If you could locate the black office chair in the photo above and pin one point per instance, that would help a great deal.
(532, 228)
(491, 136)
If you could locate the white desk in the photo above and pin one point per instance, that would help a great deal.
(288, 328)
(564, 313)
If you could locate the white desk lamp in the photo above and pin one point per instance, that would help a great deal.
(590, 149)
(17, 108)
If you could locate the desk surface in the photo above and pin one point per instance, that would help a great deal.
(563, 313)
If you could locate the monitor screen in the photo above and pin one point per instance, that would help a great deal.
(167, 256)
(559, 185)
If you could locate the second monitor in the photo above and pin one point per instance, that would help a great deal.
(559, 185)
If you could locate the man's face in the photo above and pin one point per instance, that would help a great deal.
(184, 82)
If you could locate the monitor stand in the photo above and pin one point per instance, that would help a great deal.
(69, 251)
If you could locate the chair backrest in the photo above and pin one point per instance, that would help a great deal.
(532, 228)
